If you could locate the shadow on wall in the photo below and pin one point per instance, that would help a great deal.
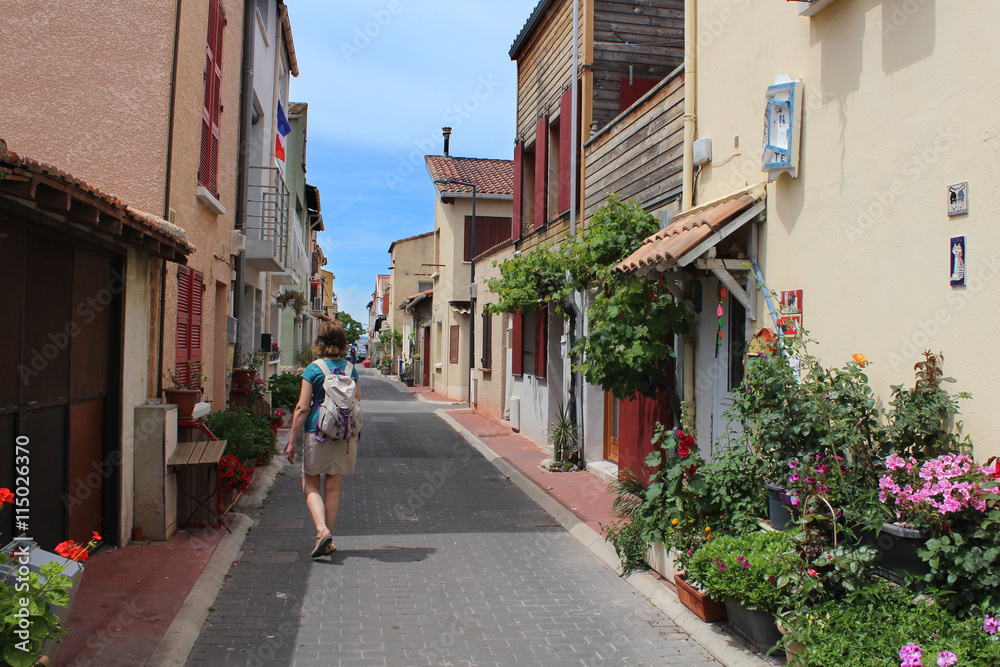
(908, 33)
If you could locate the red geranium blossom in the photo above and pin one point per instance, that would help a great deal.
(6, 496)
(73, 551)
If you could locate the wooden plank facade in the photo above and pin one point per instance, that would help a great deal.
(640, 154)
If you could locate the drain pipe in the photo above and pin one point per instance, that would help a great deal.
(575, 312)
(166, 197)
(243, 168)
(690, 91)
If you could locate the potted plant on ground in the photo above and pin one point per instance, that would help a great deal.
(565, 439)
(245, 369)
(234, 479)
(744, 570)
(247, 435)
(186, 389)
(29, 598)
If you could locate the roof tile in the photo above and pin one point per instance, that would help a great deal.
(492, 177)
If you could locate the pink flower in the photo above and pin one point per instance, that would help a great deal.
(812, 572)
(746, 565)
(947, 659)
(910, 656)
(795, 502)
(991, 624)
(793, 464)
(820, 469)
(794, 477)
(722, 565)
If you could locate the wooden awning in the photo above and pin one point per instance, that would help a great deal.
(86, 207)
(683, 241)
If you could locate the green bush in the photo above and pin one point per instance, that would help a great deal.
(626, 537)
(247, 435)
(868, 629)
(285, 388)
(744, 568)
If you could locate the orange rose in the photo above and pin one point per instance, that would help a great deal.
(861, 359)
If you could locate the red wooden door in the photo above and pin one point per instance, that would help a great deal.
(637, 423)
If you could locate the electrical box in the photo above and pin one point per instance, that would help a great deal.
(702, 150)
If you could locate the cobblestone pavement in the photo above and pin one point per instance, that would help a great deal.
(441, 560)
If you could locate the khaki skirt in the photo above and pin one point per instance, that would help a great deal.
(329, 457)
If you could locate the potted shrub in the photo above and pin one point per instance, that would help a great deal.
(234, 479)
(186, 390)
(934, 498)
(693, 596)
(245, 369)
(247, 435)
(743, 571)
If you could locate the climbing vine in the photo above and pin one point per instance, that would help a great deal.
(631, 322)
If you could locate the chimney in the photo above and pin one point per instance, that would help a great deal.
(447, 139)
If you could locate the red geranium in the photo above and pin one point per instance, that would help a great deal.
(6, 496)
(73, 551)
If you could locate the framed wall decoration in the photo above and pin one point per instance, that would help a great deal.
(958, 260)
(791, 302)
(958, 199)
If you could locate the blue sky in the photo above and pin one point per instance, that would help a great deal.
(381, 79)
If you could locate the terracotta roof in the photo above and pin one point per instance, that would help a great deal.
(297, 107)
(687, 232)
(492, 177)
(490, 251)
(415, 299)
(529, 27)
(26, 178)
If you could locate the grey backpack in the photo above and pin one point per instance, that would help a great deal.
(340, 410)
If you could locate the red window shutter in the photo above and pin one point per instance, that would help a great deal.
(565, 142)
(515, 228)
(197, 296)
(516, 344)
(541, 331)
(629, 93)
(453, 347)
(182, 353)
(467, 252)
(541, 168)
(208, 169)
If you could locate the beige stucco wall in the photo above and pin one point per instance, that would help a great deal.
(452, 379)
(86, 87)
(210, 233)
(407, 260)
(896, 110)
(491, 390)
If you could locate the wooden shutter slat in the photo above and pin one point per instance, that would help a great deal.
(565, 142)
(516, 343)
(182, 334)
(541, 331)
(541, 169)
(515, 227)
(453, 347)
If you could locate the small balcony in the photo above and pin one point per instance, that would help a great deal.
(267, 220)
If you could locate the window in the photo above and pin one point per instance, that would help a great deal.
(190, 290)
(453, 346)
(529, 342)
(487, 359)
(528, 189)
(490, 231)
(554, 185)
(208, 168)
(425, 285)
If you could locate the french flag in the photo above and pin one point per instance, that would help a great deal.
(281, 135)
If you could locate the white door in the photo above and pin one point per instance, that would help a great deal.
(729, 359)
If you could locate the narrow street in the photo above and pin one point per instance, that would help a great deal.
(441, 560)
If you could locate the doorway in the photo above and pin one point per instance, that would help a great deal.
(612, 411)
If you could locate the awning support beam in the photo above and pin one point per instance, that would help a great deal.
(714, 239)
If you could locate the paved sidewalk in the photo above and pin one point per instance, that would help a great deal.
(441, 560)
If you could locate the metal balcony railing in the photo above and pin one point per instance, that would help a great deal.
(268, 210)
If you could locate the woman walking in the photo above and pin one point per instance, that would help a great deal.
(332, 458)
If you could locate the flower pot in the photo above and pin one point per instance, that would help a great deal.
(754, 625)
(243, 378)
(779, 512)
(185, 400)
(662, 561)
(408, 381)
(703, 606)
(793, 648)
(265, 458)
(898, 547)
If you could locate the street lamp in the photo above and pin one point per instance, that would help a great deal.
(472, 281)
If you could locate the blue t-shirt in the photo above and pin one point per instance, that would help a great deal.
(315, 376)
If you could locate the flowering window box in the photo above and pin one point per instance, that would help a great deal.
(703, 606)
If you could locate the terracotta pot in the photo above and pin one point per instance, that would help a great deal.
(703, 606)
(185, 400)
(243, 378)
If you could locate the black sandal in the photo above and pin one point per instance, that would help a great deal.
(322, 547)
